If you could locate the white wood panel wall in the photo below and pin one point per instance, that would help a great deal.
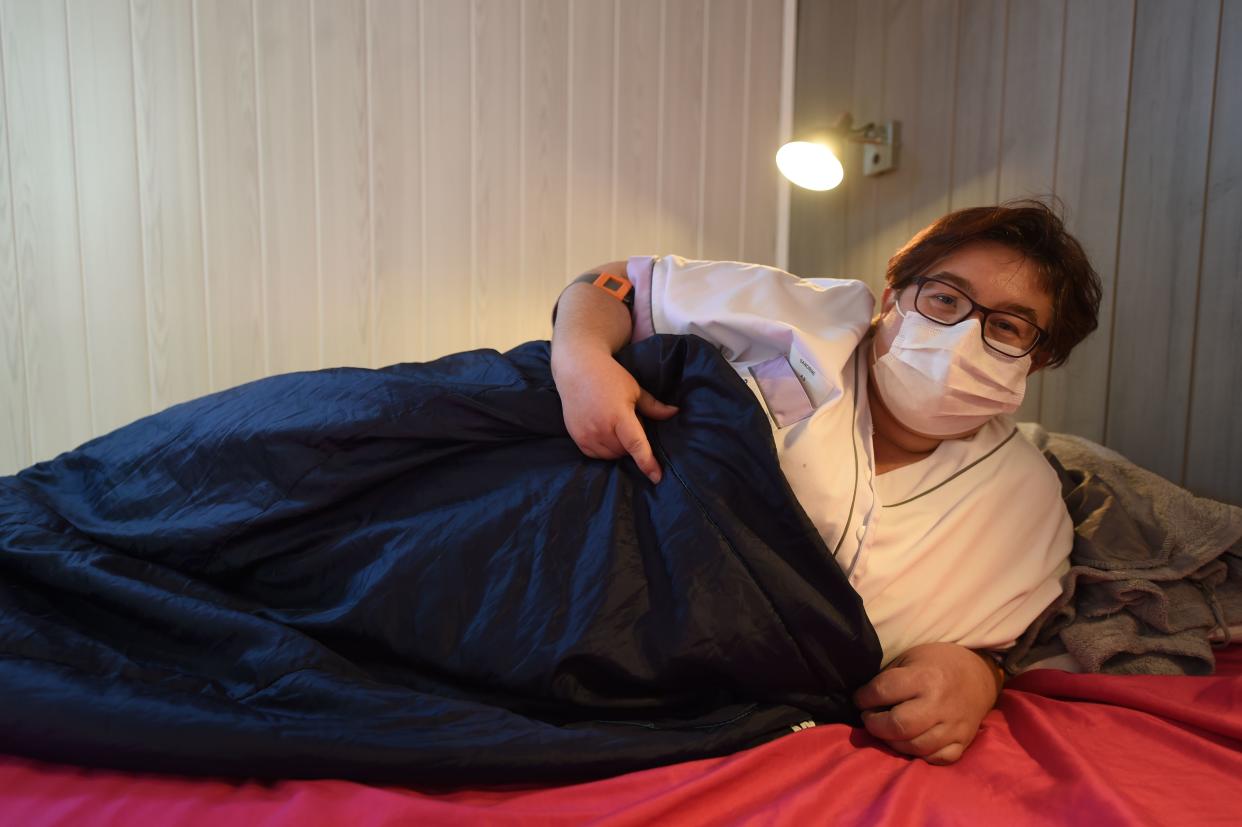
(198, 193)
(1130, 111)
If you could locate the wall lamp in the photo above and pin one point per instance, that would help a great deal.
(811, 162)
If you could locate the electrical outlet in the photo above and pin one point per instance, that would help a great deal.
(878, 157)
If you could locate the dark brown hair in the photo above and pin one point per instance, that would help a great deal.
(1034, 230)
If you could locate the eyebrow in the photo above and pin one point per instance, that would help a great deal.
(968, 289)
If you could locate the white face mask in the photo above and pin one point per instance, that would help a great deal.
(943, 380)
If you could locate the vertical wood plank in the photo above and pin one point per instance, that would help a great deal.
(591, 135)
(1028, 142)
(396, 81)
(14, 418)
(168, 149)
(230, 171)
(101, 61)
(446, 112)
(863, 260)
(926, 150)
(1162, 216)
(286, 152)
(1090, 153)
(680, 147)
(763, 137)
(1029, 120)
(725, 112)
(977, 117)
(45, 222)
(344, 195)
(822, 92)
(1214, 447)
(545, 147)
(498, 165)
(900, 89)
(637, 127)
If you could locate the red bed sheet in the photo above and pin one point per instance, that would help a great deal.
(1060, 748)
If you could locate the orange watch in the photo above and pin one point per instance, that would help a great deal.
(619, 287)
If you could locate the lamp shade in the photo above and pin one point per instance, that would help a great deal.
(809, 165)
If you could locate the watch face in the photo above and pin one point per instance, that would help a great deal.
(612, 284)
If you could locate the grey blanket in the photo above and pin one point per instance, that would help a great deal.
(1155, 572)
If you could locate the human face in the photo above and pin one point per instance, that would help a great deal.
(992, 275)
(988, 272)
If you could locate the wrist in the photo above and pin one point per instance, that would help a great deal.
(570, 356)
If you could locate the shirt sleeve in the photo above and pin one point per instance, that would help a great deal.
(744, 309)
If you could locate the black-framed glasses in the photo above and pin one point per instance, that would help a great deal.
(1006, 333)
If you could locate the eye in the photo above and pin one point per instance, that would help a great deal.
(945, 299)
(1004, 325)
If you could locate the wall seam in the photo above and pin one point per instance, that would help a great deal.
(569, 133)
(743, 161)
(957, 76)
(422, 181)
(1000, 130)
(703, 68)
(265, 332)
(616, 80)
(373, 318)
(1056, 147)
(474, 178)
(202, 196)
(1056, 158)
(143, 264)
(907, 231)
(1203, 215)
(874, 271)
(789, 48)
(314, 96)
(522, 269)
(1121, 209)
(77, 206)
(659, 205)
(17, 271)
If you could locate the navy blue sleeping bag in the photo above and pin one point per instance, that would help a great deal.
(412, 575)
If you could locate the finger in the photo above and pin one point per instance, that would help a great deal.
(928, 743)
(947, 754)
(892, 686)
(653, 408)
(904, 722)
(634, 440)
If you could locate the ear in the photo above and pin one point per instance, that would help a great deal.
(887, 298)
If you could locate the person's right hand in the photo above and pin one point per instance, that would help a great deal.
(601, 401)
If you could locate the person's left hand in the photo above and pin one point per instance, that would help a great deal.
(929, 701)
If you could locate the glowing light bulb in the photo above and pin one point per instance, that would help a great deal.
(809, 165)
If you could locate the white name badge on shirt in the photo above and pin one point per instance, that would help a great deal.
(810, 377)
(782, 392)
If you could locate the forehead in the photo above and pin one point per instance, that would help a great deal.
(998, 277)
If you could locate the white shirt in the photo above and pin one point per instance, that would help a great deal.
(965, 546)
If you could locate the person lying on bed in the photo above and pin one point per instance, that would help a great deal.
(893, 431)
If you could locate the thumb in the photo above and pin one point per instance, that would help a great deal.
(653, 408)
